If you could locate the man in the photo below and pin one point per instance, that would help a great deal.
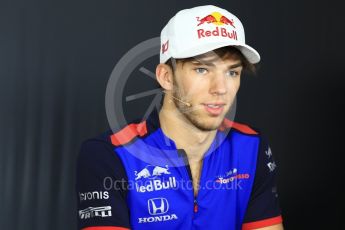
(186, 167)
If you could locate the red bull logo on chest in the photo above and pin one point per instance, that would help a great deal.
(154, 178)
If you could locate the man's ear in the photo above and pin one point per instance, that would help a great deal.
(164, 76)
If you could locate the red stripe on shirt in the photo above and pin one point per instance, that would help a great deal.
(262, 223)
(241, 127)
(128, 133)
(105, 228)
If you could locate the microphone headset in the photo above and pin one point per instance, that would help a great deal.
(180, 100)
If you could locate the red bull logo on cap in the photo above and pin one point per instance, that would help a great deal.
(217, 19)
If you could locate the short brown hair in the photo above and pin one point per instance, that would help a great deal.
(221, 52)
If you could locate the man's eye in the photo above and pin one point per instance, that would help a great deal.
(201, 70)
(233, 73)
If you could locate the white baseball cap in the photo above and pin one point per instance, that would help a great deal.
(201, 29)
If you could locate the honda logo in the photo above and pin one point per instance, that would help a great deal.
(157, 206)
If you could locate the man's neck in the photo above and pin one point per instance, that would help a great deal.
(185, 135)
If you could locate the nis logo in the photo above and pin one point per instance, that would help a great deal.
(94, 195)
(154, 178)
(216, 19)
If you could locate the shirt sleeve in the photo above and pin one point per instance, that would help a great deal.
(101, 185)
(263, 208)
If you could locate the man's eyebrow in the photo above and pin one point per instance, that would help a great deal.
(202, 62)
(210, 63)
(235, 65)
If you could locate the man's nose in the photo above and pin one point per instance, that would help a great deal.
(218, 84)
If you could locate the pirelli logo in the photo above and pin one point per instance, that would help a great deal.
(92, 212)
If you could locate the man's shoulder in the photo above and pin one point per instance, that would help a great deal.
(119, 136)
(100, 138)
(98, 154)
(96, 148)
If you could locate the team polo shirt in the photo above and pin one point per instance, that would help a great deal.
(136, 178)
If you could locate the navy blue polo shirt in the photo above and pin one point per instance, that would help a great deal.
(136, 178)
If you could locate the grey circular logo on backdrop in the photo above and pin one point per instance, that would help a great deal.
(115, 102)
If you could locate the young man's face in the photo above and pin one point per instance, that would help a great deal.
(210, 85)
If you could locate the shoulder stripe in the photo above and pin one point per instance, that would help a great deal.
(240, 127)
(105, 228)
(262, 223)
(128, 133)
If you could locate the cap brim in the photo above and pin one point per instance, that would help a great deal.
(251, 54)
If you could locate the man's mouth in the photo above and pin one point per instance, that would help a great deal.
(214, 108)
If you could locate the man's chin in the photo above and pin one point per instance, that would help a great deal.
(202, 120)
(208, 124)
